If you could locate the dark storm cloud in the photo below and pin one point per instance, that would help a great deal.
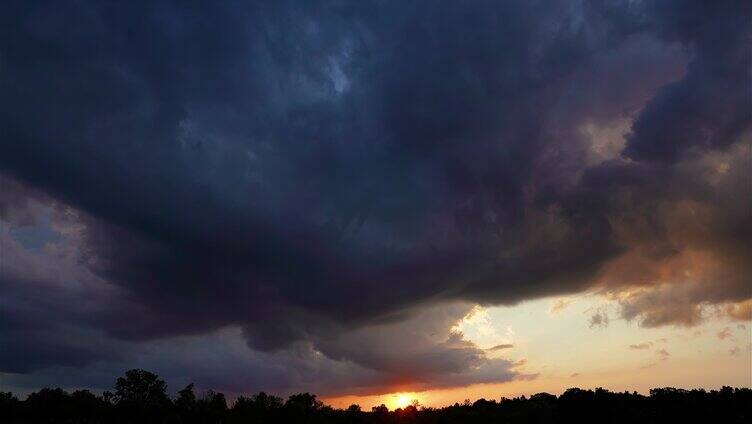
(47, 297)
(708, 107)
(323, 173)
(229, 168)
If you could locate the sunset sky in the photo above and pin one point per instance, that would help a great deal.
(376, 201)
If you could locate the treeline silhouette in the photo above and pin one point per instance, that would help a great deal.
(141, 397)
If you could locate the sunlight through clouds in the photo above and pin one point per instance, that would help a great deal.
(478, 327)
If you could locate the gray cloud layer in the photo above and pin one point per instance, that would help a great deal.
(323, 179)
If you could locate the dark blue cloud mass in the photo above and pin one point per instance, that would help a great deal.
(312, 174)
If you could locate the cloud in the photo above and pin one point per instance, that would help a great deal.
(641, 346)
(648, 344)
(724, 334)
(559, 305)
(663, 353)
(222, 360)
(520, 363)
(501, 347)
(687, 117)
(741, 311)
(320, 178)
(599, 318)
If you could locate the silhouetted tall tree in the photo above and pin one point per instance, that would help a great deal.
(186, 398)
(141, 387)
(141, 396)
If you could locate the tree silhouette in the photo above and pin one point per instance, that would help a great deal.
(142, 388)
(213, 406)
(304, 402)
(186, 398)
(141, 397)
(354, 408)
(9, 405)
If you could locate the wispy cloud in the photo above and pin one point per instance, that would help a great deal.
(559, 305)
(663, 353)
(641, 346)
(598, 319)
(725, 334)
(501, 347)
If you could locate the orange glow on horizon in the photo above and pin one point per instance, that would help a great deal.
(554, 352)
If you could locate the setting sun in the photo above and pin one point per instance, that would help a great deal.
(401, 400)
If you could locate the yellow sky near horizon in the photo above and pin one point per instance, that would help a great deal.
(557, 341)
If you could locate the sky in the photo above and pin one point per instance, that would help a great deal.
(376, 201)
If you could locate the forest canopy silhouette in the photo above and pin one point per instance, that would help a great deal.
(141, 397)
